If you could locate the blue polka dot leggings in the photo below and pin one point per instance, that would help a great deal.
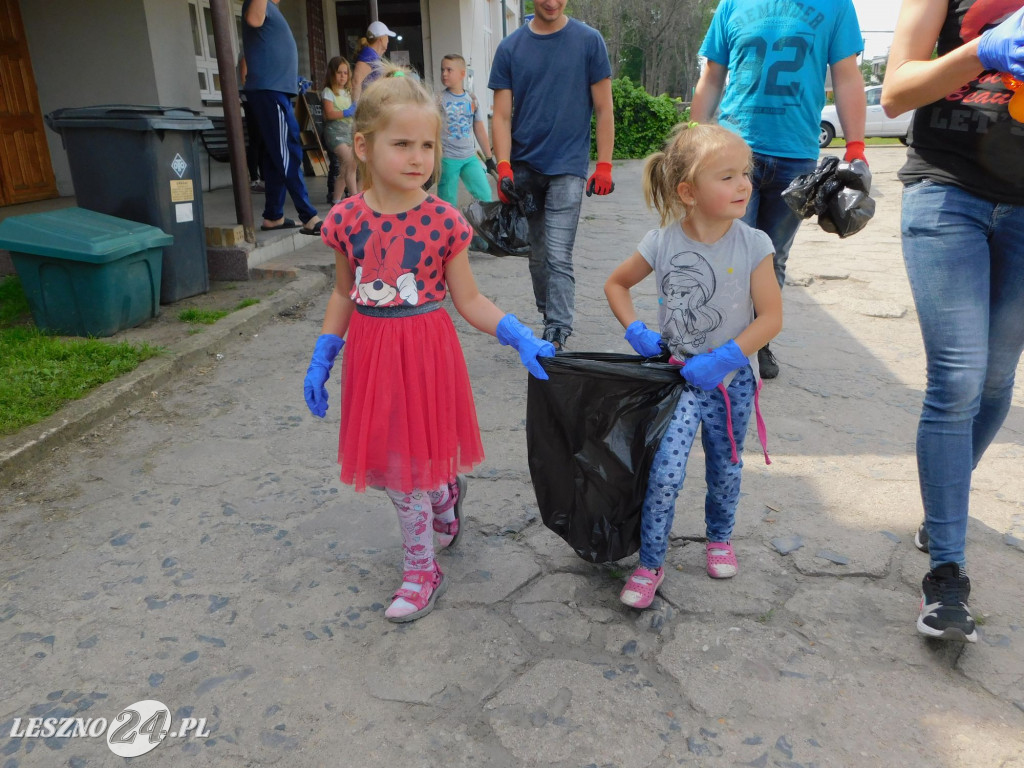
(707, 410)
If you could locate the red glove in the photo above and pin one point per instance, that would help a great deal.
(601, 183)
(855, 151)
(505, 172)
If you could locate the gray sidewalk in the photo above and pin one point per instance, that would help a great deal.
(198, 549)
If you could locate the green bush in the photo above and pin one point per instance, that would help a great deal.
(642, 121)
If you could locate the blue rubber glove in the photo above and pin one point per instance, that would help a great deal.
(642, 339)
(708, 369)
(1002, 47)
(349, 111)
(511, 332)
(327, 348)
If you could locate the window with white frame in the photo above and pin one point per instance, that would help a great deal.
(208, 71)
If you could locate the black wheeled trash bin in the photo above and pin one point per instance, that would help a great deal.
(141, 163)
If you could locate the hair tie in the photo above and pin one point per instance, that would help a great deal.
(397, 73)
(692, 124)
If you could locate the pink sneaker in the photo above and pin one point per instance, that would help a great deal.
(641, 586)
(722, 563)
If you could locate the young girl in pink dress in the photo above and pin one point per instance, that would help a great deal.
(408, 423)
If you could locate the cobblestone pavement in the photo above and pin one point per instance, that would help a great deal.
(198, 550)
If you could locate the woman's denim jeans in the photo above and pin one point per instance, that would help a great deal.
(965, 260)
(767, 210)
(552, 236)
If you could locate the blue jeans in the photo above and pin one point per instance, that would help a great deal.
(767, 210)
(965, 261)
(552, 236)
(282, 161)
(706, 410)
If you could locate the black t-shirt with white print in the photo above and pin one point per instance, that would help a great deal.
(968, 138)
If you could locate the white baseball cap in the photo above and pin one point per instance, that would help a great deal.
(379, 29)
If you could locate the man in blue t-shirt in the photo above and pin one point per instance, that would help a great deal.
(549, 77)
(770, 58)
(271, 82)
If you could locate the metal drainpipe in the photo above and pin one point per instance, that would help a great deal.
(221, 16)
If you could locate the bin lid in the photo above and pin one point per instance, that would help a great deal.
(129, 117)
(79, 235)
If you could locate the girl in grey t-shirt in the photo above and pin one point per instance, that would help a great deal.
(718, 304)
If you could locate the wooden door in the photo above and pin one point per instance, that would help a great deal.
(25, 170)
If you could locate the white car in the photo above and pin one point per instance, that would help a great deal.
(876, 123)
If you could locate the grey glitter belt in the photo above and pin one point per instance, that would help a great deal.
(402, 310)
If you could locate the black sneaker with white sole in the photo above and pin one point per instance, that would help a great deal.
(944, 611)
(921, 538)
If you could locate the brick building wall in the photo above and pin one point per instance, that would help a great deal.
(317, 43)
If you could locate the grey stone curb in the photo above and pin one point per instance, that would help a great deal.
(30, 445)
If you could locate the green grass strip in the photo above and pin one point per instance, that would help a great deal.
(40, 373)
(202, 316)
(211, 316)
(13, 304)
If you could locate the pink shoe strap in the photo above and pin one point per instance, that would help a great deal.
(762, 430)
(453, 497)
(644, 581)
(721, 552)
(728, 422)
(427, 578)
(448, 529)
(644, 573)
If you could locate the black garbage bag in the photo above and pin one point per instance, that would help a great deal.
(837, 192)
(503, 225)
(855, 175)
(592, 430)
(802, 193)
(847, 213)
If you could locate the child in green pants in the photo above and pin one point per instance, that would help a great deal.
(463, 126)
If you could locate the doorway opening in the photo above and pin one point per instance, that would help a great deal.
(401, 16)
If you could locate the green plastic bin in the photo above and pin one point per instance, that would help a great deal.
(86, 273)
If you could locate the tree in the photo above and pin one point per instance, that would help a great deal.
(655, 41)
(873, 74)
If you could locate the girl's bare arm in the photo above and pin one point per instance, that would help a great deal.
(616, 287)
(479, 311)
(767, 298)
(339, 305)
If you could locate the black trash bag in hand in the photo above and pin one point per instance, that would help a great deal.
(592, 430)
(502, 225)
(848, 213)
(801, 194)
(837, 192)
(855, 175)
